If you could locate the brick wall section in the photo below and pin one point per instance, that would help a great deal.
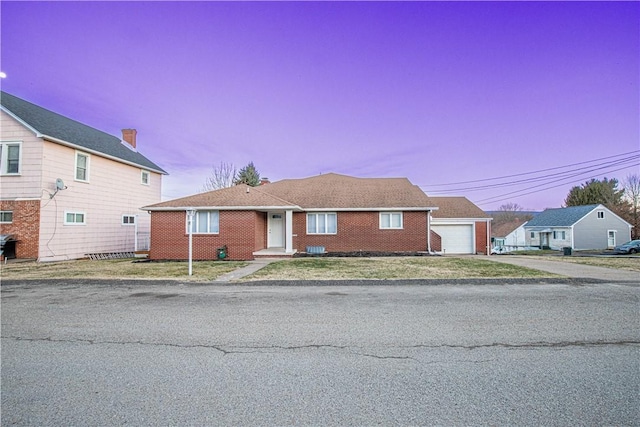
(361, 231)
(436, 242)
(238, 231)
(481, 237)
(25, 226)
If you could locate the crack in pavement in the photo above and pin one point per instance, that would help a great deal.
(262, 349)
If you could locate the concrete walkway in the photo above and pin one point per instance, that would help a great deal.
(251, 268)
(570, 269)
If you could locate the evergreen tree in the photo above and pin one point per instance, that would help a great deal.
(592, 192)
(248, 175)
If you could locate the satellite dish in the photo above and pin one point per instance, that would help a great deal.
(60, 184)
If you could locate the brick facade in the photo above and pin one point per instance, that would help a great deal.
(25, 226)
(360, 231)
(482, 231)
(244, 232)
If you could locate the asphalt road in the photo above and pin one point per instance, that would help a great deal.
(425, 353)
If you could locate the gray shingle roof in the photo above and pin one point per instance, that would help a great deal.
(562, 217)
(54, 125)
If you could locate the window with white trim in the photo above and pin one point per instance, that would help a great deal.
(145, 177)
(390, 220)
(82, 167)
(322, 223)
(75, 218)
(600, 214)
(559, 235)
(128, 219)
(205, 222)
(10, 158)
(6, 217)
(533, 234)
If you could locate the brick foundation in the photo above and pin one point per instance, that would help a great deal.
(25, 226)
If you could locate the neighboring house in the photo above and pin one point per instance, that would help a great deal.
(460, 226)
(331, 212)
(577, 227)
(508, 236)
(69, 190)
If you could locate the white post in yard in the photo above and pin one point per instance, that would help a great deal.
(190, 213)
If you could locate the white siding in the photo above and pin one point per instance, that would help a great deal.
(27, 185)
(114, 189)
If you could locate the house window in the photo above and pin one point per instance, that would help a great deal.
(82, 167)
(391, 220)
(74, 218)
(205, 222)
(559, 235)
(600, 214)
(10, 155)
(322, 223)
(6, 217)
(128, 219)
(144, 177)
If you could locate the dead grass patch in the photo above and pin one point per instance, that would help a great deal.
(630, 263)
(391, 268)
(118, 269)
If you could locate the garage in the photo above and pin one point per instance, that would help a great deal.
(456, 239)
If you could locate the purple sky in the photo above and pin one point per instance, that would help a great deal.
(438, 92)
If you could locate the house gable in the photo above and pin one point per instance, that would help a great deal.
(62, 130)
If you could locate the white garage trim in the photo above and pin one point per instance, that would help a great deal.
(456, 237)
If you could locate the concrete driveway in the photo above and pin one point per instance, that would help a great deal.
(570, 269)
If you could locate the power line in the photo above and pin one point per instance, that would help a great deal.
(635, 152)
(570, 173)
(501, 197)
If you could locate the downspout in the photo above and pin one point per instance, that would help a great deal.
(488, 237)
(429, 231)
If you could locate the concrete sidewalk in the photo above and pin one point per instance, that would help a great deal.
(570, 269)
(253, 266)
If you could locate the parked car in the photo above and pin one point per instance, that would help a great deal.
(631, 247)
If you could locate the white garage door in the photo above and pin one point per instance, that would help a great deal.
(456, 239)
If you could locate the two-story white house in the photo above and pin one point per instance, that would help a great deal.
(69, 190)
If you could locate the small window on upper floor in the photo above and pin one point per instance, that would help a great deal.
(145, 177)
(600, 214)
(10, 158)
(128, 219)
(6, 217)
(82, 167)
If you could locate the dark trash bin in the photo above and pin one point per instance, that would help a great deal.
(8, 246)
(567, 251)
(222, 252)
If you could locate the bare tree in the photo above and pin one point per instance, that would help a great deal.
(631, 187)
(222, 176)
(510, 212)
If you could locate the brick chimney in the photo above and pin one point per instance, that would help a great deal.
(264, 181)
(129, 136)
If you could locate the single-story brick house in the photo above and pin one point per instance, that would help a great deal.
(340, 213)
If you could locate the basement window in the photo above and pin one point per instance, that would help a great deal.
(6, 217)
(74, 218)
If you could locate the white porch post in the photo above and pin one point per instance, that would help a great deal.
(288, 234)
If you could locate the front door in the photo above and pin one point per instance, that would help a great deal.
(611, 241)
(275, 233)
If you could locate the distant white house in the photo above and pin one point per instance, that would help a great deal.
(69, 190)
(578, 227)
(508, 236)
